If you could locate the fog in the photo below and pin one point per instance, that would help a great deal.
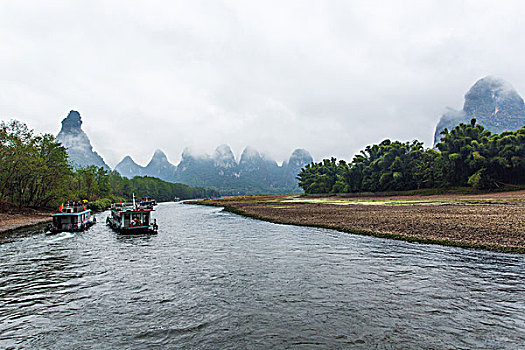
(327, 76)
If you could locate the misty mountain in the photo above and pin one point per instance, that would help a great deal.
(223, 158)
(160, 167)
(197, 170)
(252, 174)
(493, 102)
(128, 168)
(77, 143)
(253, 165)
(298, 159)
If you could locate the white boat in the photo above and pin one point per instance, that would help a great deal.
(72, 217)
(132, 218)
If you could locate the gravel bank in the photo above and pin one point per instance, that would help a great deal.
(496, 226)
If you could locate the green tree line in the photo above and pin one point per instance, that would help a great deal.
(468, 155)
(35, 172)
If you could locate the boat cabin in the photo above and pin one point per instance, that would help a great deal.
(147, 202)
(71, 218)
(130, 218)
(135, 218)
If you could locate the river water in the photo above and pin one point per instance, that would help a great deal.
(214, 280)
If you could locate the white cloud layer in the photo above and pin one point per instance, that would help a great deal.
(328, 76)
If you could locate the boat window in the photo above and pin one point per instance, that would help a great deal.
(64, 219)
(126, 219)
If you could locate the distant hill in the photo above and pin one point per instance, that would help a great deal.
(493, 102)
(252, 174)
(77, 143)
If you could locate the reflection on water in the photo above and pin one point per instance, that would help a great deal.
(211, 279)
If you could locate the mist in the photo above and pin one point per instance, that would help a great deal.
(329, 77)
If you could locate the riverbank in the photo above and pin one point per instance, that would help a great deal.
(487, 221)
(16, 219)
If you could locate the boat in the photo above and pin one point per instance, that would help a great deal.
(147, 202)
(72, 217)
(132, 218)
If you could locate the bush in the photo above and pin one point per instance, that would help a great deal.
(480, 180)
(100, 204)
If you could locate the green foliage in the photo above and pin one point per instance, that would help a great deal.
(101, 188)
(481, 180)
(321, 177)
(388, 166)
(34, 171)
(468, 155)
(100, 204)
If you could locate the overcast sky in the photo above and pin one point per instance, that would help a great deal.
(327, 76)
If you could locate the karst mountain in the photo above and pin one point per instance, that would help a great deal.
(493, 102)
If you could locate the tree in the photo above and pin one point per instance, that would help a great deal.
(462, 152)
(468, 155)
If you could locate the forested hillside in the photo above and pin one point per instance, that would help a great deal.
(35, 172)
(468, 155)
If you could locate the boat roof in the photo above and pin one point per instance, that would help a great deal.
(135, 210)
(130, 209)
(72, 214)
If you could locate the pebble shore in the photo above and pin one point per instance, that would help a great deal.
(490, 221)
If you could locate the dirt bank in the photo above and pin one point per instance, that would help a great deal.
(15, 219)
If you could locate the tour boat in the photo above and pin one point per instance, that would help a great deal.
(147, 202)
(72, 217)
(130, 218)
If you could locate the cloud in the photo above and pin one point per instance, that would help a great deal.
(330, 77)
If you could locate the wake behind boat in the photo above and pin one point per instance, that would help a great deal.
(130, 218)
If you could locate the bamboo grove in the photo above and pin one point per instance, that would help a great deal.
(35, 172)
(468, 155)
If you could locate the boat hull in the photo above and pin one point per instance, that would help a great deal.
(83, 227)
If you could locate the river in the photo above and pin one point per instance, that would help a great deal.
(214, 280)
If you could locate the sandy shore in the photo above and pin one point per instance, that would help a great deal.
(489, 221)
(14, 220)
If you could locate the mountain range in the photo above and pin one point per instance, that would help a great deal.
(493, 102)
(252, 174)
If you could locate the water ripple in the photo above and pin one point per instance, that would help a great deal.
(214, 280)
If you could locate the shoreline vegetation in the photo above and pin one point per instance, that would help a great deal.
(467, 156)
(490, 221)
